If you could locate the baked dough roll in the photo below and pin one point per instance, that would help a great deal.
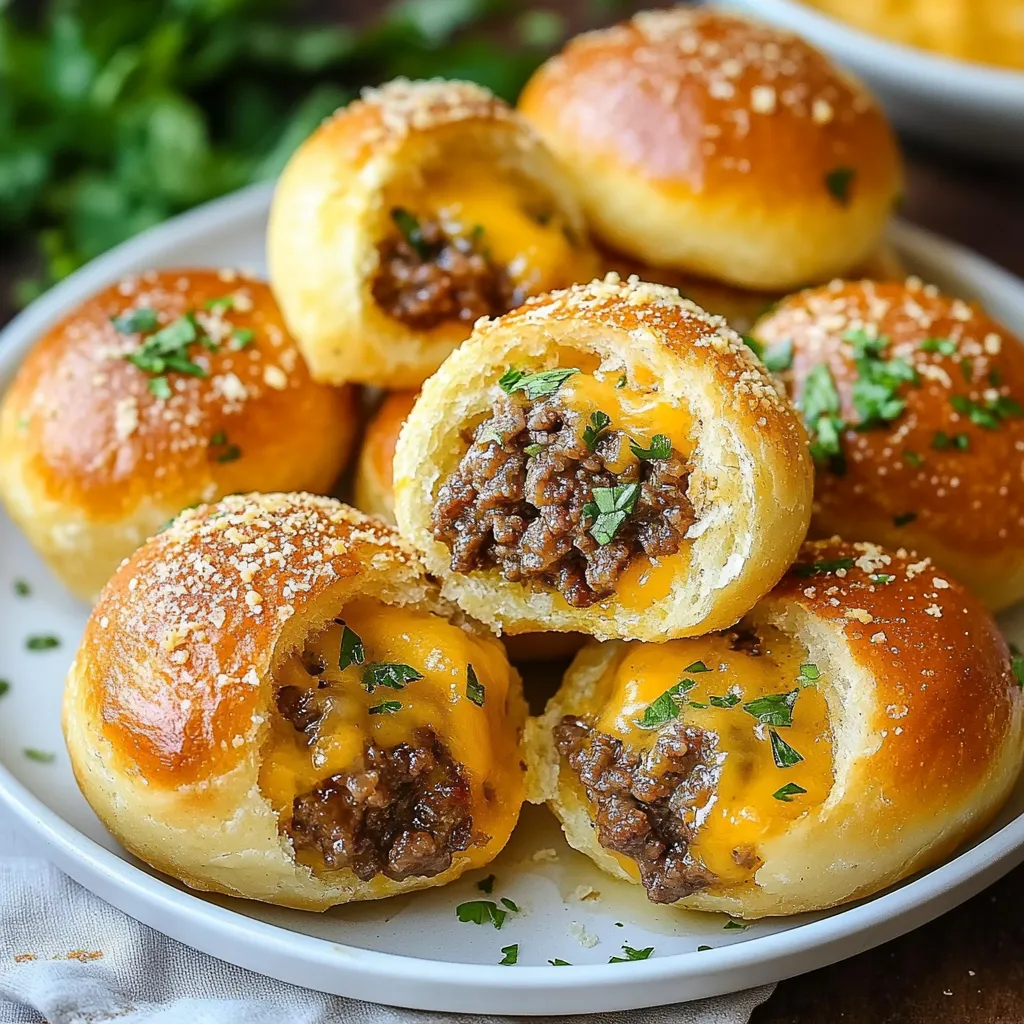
(721, 147)
(857, 726)
(608, 459)
(408, 215)
(159, 392)
(914, 401)
(271, 700)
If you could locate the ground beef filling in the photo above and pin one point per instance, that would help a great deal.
(516, 502)
(436, 278)
(645, 800)
(403, 812)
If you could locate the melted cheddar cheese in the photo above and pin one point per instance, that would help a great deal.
(480, 736)
(749, 804)
(525, 235)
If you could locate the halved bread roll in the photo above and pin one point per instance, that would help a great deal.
(271, 700)
(860, 724)
(406, 216)
(608, 459)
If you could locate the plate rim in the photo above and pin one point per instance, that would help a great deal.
(319, 963)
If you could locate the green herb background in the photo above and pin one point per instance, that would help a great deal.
(117, 114)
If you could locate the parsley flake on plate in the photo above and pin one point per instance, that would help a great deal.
(42, 756)
(510, 955)
(631, 954)
(5, 687)
(42, 643)
(22, 588)
(732, 925)
(486, 884)
(559, 963)
(481, 912)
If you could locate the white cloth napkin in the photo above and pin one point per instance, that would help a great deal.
(66, 957)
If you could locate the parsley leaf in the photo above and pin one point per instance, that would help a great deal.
(779, 357)
(490, 434)
(42, 643)
(474, 688)
(609, 509)
(389, 674)
(729, 700)
(409, 226)
(5, 687)
(942, 441)
(159, 387)
(881, 577)
(810, 672)
(533, 449)
(22, 588)
(536, 385)
(42, 756)
(599, 422)
(1017, 664)
(386, 707)
(838, 182)
(666, 707)
(944, 346)
(696, 668)
(773, 708)
(661, 448)
(135, 321)
(481, 912)
(559, 963)
(820, 406)
(352, 651)
(486, 884)
(511, 955)
(913, 459)
(990, 415)
(732, 925)
(631, 954)
(788, 791)
(904, 518)
(240, 338)
(783, 754)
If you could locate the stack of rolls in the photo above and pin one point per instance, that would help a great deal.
(574, 457)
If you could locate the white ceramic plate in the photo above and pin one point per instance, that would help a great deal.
(412, 951)
(975, 109)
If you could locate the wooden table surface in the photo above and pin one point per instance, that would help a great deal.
(968, 966)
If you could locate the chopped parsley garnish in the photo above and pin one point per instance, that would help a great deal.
(159, 387)
(778, 357)
(661, 448)
(506, 902)
(788, 791)
(489, 435)
(42, 756)
(5, 687)
(1017, 664)
(535, 385)
(22, 588)
(773, 708)
(819, 404)
(533, 449)
(754, 345)
(995, 378)
(903, 518)
(987, 416)
(697, 704)
(621, 382)
(732, 925)
(666, 707)
(386, 707)
(967, 369)
(784, 755)
(240, 337)
(167, 349)
(389, 674)
(874, 392)
(729, 700)
(511, 955)
(944, 346)
(881, 577)
(409, 226)
(701, 949)
(229, 452)
(631, 954)
(914, 459)
(599, 422)
(609, 509)
(559, 963)
(42, 643)
(221, 304)
(941, 441)
(486, 884)
(474, 688)
(810, 672)
(135, 321)
(838, 182)
(352, 651)
(823, 568)
(481, 912)
(696, 668)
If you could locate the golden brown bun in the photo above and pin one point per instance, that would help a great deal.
(924, 728)
(968, 502)
(403, 145)
(92, 461)
(171, 717)
(374, 494)
(750, 479)
(719, 147)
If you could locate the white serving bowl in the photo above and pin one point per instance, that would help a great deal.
(974, 109)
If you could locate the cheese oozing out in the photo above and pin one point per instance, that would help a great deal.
(471, 721)
(758, 793)
(506, 219)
